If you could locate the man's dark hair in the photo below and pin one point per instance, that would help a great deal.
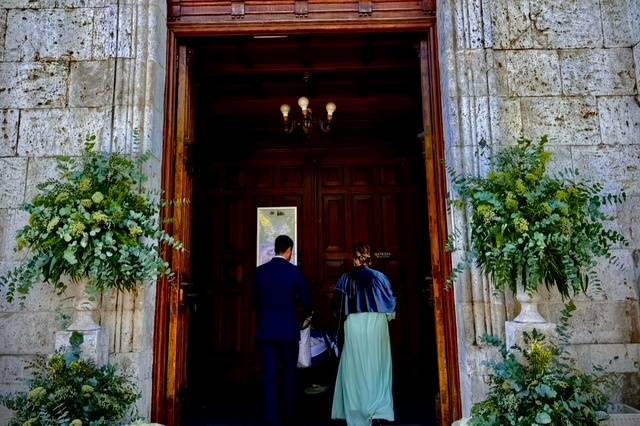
(283, 242)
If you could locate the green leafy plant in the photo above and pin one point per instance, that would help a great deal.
(535, 228)
(94, 222)
(537, 384)
(69, 391)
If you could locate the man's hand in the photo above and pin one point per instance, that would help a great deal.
(307, 321)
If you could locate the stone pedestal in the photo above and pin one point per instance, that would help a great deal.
(95, 345)
(514, 331)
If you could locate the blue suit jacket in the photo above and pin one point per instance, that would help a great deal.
(278, 286)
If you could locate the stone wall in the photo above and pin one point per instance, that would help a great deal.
(568, 69)
(68, 69)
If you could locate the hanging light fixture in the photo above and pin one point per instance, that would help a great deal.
(307, 121)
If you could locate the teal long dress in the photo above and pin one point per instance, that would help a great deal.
(363, 385)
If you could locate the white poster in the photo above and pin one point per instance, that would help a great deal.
(272, 222)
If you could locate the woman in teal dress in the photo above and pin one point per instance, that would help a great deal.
(363, 386)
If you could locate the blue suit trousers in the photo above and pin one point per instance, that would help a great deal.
(279, 361)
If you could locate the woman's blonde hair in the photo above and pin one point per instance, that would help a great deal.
(362, 252)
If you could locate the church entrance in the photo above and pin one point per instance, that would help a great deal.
(362, 181)
(376, 176)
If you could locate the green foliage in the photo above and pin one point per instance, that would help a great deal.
(537, 384)
(93, 223)
(65, 390)
(529, 226)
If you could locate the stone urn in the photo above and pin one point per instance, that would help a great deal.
(95, 344)
(84, 309)
(528, 319)
(528, 307)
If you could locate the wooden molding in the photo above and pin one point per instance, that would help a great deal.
(428, 6)
(213, 12)
(237, 9)
(365, 7)
(301, 8)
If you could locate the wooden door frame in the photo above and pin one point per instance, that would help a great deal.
(445, 318)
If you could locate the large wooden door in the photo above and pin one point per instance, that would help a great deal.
(179, 190)
(233, 269)
(342, 197)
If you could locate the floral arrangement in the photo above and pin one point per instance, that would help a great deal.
(94, 222)
(67, 390)
(533, 228)
(537, 384)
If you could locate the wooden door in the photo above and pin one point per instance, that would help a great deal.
(375, 199)
(410, 19)
(230, 192)
(182, 284)
(342, 198)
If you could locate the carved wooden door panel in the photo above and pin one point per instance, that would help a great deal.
(233, 190)
(373, 200)
(341, 199)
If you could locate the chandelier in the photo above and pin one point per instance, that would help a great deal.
(306, 121)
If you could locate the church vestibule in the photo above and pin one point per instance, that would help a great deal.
(365, 180)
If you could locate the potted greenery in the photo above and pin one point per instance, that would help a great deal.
(67, 390)
(95, 226)
(536, 383)
(529, 228)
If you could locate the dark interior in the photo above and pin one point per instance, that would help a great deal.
(363, 181)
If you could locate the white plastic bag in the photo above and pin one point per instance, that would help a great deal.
(304, 351)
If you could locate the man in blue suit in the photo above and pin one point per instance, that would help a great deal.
(279, 287)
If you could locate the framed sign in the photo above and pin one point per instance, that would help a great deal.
(272, 222)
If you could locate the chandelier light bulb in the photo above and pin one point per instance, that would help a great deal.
(331, 108)
(284, 109)
(303, 102)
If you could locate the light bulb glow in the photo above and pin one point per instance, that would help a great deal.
(331, 108)
(284, 109)
(303, 103)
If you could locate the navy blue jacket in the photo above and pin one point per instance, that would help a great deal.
(278, 286)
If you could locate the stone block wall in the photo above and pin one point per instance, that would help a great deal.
(69, 69)
(569, 70)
